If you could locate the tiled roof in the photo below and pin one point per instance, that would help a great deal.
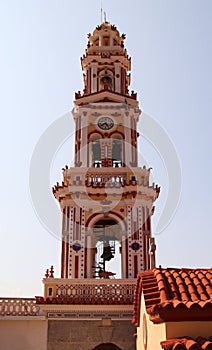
(174, 294)
(187, 343)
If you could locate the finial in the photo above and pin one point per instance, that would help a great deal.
(105, 17)
(51, 272)
(47, 273)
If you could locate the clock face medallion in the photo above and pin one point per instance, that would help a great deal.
(105, 123)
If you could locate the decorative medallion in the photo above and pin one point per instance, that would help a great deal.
(135, 246)
(76, 246)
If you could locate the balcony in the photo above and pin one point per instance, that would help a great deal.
(88, 291)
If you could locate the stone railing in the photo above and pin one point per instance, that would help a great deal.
(89, 291)
(18, 307)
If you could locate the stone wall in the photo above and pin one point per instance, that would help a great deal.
(86, 335)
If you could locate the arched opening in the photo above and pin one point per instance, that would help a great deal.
(106, 40)
(117, 151)
(115, 42)
(107, 234)
(96, 154)
(106, 80)
(107, 346)
(96, 42)
(94, 150)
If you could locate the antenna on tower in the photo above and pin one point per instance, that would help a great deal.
(101, 11)
(105, 17)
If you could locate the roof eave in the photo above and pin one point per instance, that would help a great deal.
(181, 315)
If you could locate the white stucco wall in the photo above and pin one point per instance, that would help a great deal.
(155, 332)
(160, 332)
(24, 334)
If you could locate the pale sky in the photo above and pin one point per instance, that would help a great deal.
(169, 42)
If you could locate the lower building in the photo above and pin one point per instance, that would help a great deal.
(73, 314)
(89, 313)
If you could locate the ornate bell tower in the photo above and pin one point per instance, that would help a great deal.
(107, 203)
(106, 198)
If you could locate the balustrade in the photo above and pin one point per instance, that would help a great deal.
(98, 292)
(18, 307)
(105, 181)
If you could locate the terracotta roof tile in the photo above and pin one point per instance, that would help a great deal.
(175, 294)
(80, 300)
(186, 343)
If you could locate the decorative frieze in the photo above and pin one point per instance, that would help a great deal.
(90, 315)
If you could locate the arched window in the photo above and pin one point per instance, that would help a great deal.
(106, 40)
(117, 153)
(96, 42)
(96, 153)
(106, 80)
(117, 156)
(94, 150)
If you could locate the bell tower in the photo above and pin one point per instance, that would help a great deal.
(106, 198)
(107, 203)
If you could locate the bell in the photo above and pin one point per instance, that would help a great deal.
(107, 254)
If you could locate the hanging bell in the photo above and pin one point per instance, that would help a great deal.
(107, 254)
